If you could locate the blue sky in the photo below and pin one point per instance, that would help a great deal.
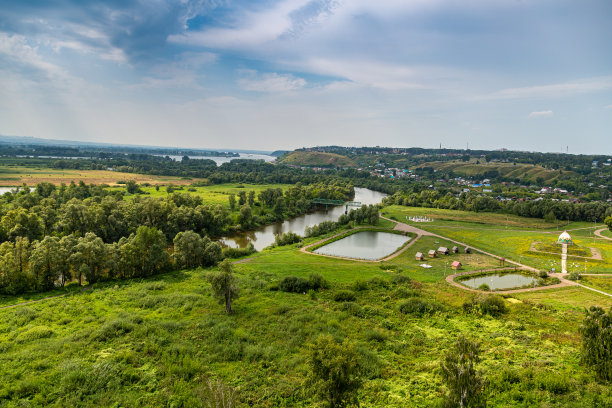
(519, 74)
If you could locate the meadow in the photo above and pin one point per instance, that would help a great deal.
(15, 176)
(162, 341)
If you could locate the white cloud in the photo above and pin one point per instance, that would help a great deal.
(271, 82)
(17, 49)
(609, 107)
(553, 90)
(540, 114)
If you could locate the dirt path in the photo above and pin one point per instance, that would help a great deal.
(598, 233)
(45, 298)
(405, 227)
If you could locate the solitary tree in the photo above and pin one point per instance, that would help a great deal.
(608, 222)
(465, 384)
(335, 371)
(222, 284)
(232, 201)
(251, 198)
(596, 333)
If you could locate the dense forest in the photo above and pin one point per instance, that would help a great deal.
(86, 233)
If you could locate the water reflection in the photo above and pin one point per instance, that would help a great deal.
(498, 281)
(264, 236)
(369, 245)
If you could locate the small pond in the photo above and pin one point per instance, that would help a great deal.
(370, 245)
(500, 281)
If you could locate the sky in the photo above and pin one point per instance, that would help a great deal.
(282, 74)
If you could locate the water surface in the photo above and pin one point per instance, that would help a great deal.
(500, 281)
(264, 236)
(370, 245)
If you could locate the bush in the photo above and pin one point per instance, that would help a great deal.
(403, 293)
(493, 305)
(359, 286)
(353, 309)
(293, 284)
(238, 252)
(287, 238)
(574, 276)
(377, 336)
(596, 333)
(420, 307)
(484, 287)
(543, 274)
(344, 296)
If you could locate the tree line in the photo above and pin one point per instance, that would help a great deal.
(544, 208)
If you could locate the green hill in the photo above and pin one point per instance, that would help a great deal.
(523, 172)
(317, 159)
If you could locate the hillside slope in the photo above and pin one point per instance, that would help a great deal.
(311, 159)
(523, 172)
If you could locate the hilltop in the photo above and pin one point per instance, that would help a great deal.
(317, 159)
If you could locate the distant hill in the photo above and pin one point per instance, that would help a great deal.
(523, 172)
(278, 153)
(317, 159)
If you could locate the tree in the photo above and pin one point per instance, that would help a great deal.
(89, 258)
(188, 249)
(336, 371)
(149, 246)
(464, 383)
(132, 187)
(608, 222)
(245, 218)
(222, 284)
(232, 201)
(242, 198)
(596, 333)
(46, 262)
(251, 198)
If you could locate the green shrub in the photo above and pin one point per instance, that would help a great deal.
(554, 383)
(293, 284)
(344, 296)
(398, 279)
(493, 305)
(34, 333)
(359, 286)
(420, 307)
(543, 274)
(403, 293)
(376, 335)
(574, 276)
(484, 287)
(287, 238)
(114, 328)
(353, 309)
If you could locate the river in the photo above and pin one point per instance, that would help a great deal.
(264, 236)
(219, 160)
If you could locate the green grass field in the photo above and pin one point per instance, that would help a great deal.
(158, 341)
(216, 194)
(155, 342)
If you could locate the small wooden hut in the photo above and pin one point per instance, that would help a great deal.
(419, 256)
(456, 265)
(468, 250)
(443, 251)
(432, 253)
(455, 250)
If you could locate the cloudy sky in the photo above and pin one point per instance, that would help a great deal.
(521, 74)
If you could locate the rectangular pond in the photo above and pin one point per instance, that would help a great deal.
(370, 245)
(500, 281)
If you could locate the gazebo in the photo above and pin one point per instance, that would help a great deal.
(443, 251)
(564, 238)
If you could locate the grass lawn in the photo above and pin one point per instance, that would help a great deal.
(603, 283)
(470, 219)
(216, 194)
(607, 233)
(17, 175)
(154, 342)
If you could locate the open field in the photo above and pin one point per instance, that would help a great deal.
(606, 233)
(216, 194)
(513, 243)
(154, 342)
(470, 219)
(300, 158)
(514, 171)
(603, 283)
(16, 175)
